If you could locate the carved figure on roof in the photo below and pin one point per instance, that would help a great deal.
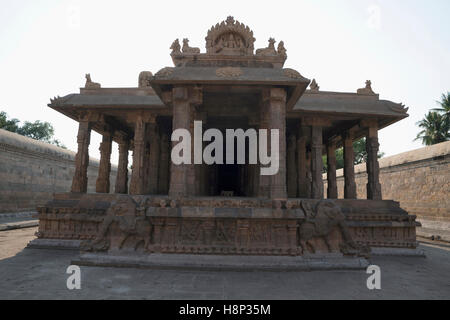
(269, 51)
(188, 49)
(144, 79)
(367, 90)
(91, 85)
(281, 49)
(175, 47)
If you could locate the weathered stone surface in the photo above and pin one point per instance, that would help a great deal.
(31, 171)
(229, 87)
(418, 179)
(225, 226)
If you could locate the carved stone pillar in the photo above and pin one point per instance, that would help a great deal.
(137, 185)
(80, 178)
(181, 117)
(301, 164)
(122, 168)
(164, 160)
(308, 174)
(373, 167)
(263, 181)
(104, 170)
(316, 163)
(154, 155)
(276, 101)
(292, 178)
(349, 168)
(332, 192)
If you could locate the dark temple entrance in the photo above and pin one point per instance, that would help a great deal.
(228, 179)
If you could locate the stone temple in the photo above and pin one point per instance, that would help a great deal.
(224, 209)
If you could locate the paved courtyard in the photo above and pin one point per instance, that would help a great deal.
(41, 274)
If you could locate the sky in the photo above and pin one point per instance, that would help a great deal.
(46, 48)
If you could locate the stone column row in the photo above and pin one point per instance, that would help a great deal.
(372, 165)
(309, 163)
(305, 166)
(80, 179)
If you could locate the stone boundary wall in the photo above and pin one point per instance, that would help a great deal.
(32, 171)
(418, 179)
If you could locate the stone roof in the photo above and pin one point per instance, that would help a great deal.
(238, 75)
(79, 100)
(349, 103)
(430, 152)
(324, 102)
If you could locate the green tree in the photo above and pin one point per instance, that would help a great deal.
(445, 106)
(37, 130)
(435, 129)
(8, 124)
(359, 148)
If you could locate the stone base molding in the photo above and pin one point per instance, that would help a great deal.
(226, 226)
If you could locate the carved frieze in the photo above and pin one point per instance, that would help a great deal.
(165, 225)
(229, 72)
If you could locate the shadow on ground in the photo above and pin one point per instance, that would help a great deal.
(41, 274)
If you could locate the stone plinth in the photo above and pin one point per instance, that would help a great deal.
(226, 226)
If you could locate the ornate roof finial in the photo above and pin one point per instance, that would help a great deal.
(314, 86)
(230, 20)
(230, 37)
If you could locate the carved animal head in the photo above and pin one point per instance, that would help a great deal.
(124, 206)
(368, 84)
(272, 43)
(329, 209)
(186, 42)
(88, 77)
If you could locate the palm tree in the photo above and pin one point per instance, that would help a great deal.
(435, 129)
(445, 106)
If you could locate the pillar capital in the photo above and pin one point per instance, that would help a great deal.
(180, 94)
(90, 116)
(274, 94)
(316, 122)
(195, 95)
